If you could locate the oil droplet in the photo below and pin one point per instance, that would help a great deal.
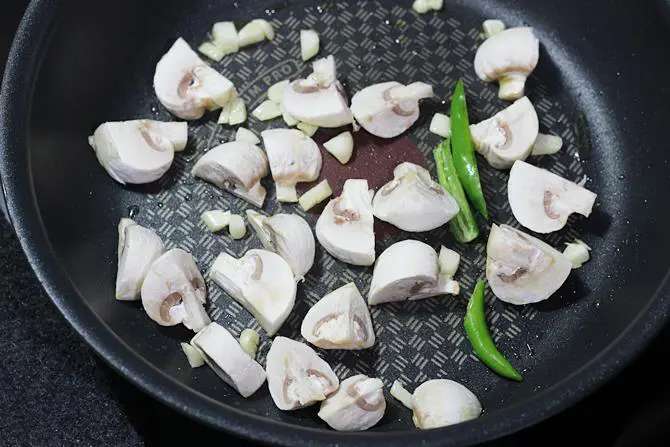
(133, 211)
(160, 204)
(188, 197)
(621, 177)
(154, 110)
(387, 22)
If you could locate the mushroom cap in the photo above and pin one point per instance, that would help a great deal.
(522, 269)
(542, 201)
(138, 151)
(297, 376)
(186, 86)
(357, 405)
(412, 201)
(293, 156)
(223, 353)
(346, 225)
(238, 167)
(288, 235)
(513, 52)
(262, 282)
(406, 270)
(382, 113)
(507, 136)
(339, 320)
(138, 248)
(174, 291)
(442, 402)
(308, 102)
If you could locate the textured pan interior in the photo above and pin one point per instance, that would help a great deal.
(93, 74)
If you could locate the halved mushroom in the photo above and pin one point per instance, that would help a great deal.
(138, 151)
(358, 405)
(408, 270)
(174, 291)
(522, 269)
(339, 320)
(508, 135)
(288, 235)
(346, 225)
(226, 357)
(412, 201)
(390, 108)
(318, 100)
(294, 157)
(508, 57)
(187, 86)
(442, 402)
(297, 376)
(262, 282)
(138, 248)
(237, 167)
(542, 201)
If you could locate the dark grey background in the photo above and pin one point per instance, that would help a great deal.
(54, 391)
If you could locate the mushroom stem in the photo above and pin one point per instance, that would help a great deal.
(512, 86)
(412, 92)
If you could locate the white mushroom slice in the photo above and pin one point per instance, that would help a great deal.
(262, 282)
(346, 225)
(542, 201)
(339, 320)
(341, 147)
(412, 201)
(138, 151)
(297, 376)
(138, 247)
(288, 235)
(226, 357)
(294, 157)
(442, 402)
(390, 108)
(358, 405)
(507, 136)
(174, 291)
(522, 269)
(508, 57)
(237, 167)
(407, 270)
(186, 86)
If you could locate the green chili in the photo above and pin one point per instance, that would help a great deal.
(464, 152)
(480, 339)
(464, 225)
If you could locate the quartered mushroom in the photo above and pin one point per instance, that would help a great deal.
(339, 320)
(297, 376)
(542, 201)
(507, 136)
(174, 291)
(412, 201)
(237, 167)
(390, 108)
(288, 235)
(138, 151)
(442, 402)
(262, 282)
(358, 405)
(346, 225)
(318, 100)
(294, 157)
(138, 248)
(522, 269)
(226, 357)
(408, 270)
(508, 57)
(187, 86)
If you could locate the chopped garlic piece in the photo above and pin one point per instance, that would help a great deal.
(315, 195)
(493, 27)
(249, 340)
(441, 125)
(309, 44)
(216, 220)
(276, 92)
(424, 6)
(244, 134)
(405, 397)
(341, 147)
(546, 144)
(307, 129)
(238, 112)
(266, 111)
(288, 118)
(237, 227)
(448, 261)
(211, 51)
(225, 37)
(577, 252)
(193, 355)
(266, 26)
(224, 117)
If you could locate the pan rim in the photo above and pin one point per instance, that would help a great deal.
(32, 37)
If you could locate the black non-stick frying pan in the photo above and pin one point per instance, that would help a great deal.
(602, 84)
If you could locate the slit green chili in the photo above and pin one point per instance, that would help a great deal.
(480, 339)
(463, 226)
(463, 151)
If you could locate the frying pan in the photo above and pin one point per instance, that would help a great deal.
(601, 85)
